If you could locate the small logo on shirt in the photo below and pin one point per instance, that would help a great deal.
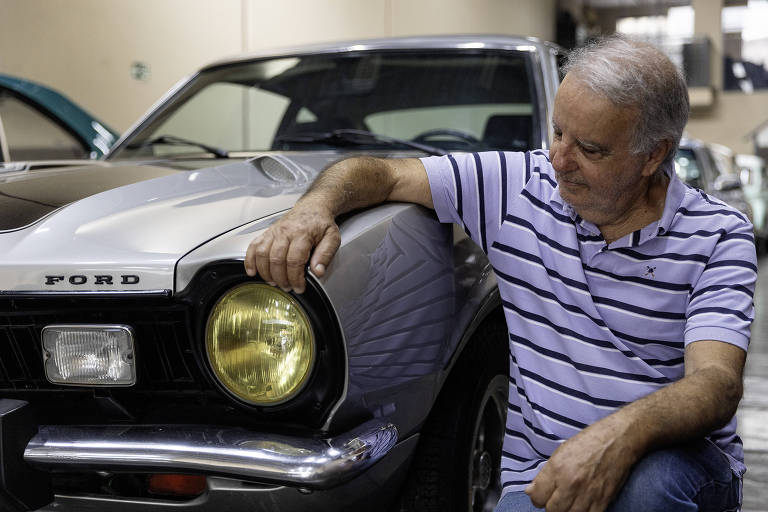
(649, 272)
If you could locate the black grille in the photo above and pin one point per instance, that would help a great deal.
(164, 348)
(174, 384)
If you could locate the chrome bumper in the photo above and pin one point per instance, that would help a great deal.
(230, 452)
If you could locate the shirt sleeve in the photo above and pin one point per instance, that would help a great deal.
(471, 189)
(720, 307)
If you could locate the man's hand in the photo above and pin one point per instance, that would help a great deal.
(586, 472)
(280, 254)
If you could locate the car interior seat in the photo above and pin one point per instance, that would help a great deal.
(509, 131)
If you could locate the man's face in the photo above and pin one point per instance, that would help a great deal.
(591, 154)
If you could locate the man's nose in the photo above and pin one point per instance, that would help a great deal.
(562, 156)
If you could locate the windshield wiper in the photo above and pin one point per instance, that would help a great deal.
(350, 136)
(172, 140)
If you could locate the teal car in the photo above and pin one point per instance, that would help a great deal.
(38, 123)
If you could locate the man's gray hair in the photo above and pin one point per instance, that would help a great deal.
(636, 75)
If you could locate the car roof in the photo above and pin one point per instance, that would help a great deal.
(465, 41)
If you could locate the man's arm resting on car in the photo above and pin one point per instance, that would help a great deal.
(280, 254)
(586, 472)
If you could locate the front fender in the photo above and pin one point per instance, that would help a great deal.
(407, 296)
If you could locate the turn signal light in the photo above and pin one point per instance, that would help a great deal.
(177, 485)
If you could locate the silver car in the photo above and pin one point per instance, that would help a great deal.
(754, 180)
(141, 369)
(705, 166)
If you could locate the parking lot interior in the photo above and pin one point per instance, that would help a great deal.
(115, 60)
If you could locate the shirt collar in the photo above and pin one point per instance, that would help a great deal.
(672, 201)
(675, 193)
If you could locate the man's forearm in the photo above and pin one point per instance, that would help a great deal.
(350, 184)
(688, 409)
(592, 465)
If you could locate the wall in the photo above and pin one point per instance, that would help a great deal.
(85, 48)
(731, 119)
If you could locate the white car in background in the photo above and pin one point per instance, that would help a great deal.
(754, 180)
(710, 168)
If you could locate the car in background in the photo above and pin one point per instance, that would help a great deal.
(38, 123)
(142, 369)
(706, 167)
(754, 180)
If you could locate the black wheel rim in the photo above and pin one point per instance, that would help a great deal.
(487, 438)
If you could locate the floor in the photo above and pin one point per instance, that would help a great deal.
(753, 411)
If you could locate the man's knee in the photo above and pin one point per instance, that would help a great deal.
(658, 482)
(679, 479)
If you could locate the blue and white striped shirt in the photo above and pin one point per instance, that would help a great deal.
(594, 327)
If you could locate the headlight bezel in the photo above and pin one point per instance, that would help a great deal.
(327, 380)
(313, 348)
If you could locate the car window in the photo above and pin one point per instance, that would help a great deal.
(454, 99)
(31, 135)
(409, 123)
(227, 115)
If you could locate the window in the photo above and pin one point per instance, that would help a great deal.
(225, 115)
(452, 99)
(670, 33)
(474, 121)
(31, 135)
(745, 46)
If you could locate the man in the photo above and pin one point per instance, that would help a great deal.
(627, 294)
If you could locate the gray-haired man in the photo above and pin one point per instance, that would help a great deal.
(623, 381)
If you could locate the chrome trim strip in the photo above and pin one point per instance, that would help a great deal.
(37, 221)
(155, 106)
(447, 42)
(345, 390)
(70, 293)
(230, 452)
(5, 156)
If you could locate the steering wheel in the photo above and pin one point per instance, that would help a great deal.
(465, 137)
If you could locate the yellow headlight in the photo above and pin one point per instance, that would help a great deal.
(260, 344)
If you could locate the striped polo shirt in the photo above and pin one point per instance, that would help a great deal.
(592, 326)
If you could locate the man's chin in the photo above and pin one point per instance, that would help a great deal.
(572, 193)
(579, 202)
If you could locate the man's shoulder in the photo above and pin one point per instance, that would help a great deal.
(699, 209)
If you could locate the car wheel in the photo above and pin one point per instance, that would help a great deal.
(457, 462)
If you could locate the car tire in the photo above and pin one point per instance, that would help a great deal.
(456, 466)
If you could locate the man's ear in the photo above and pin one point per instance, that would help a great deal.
(656, 157)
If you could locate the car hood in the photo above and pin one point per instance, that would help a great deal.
(124, 226)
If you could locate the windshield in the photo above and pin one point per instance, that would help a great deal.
(458, 99)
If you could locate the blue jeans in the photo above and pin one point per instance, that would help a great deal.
(689, 478)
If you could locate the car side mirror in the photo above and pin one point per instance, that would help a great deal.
(726, 182)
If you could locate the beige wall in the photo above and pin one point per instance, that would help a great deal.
(730, 120)
(733, 114)
(85, 48)
(527, 18)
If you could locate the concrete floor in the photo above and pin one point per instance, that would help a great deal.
(753, 411)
